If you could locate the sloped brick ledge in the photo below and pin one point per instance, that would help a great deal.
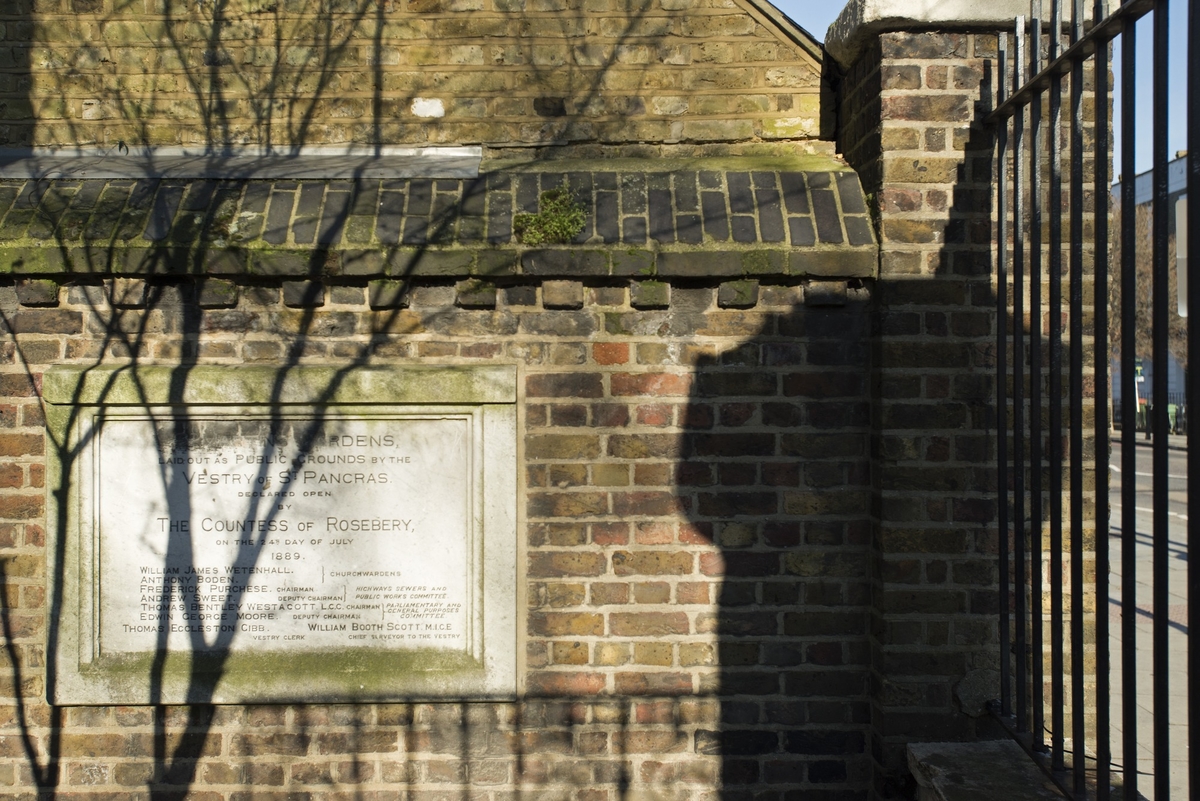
(684, 223)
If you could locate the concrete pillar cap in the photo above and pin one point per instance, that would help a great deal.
(862, 20)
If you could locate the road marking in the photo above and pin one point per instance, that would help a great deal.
(1116, 469)
(1148, 510)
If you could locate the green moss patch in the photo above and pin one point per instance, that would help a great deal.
(558, 221)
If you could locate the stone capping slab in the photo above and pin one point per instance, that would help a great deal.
(351, 162)
(863, 20)
(409, 263)
(141, 385)
(993, 770)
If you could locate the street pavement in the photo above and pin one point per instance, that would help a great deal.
(1176, 656)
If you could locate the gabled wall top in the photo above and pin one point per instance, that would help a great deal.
(787, 28)
(497, 73)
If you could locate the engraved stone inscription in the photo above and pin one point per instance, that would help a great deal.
(268, 533)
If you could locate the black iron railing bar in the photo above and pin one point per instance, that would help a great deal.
(1055, 388)
(1101, 357)
(1037, 610)
(1075, 393)
(1048, 80)
(1129, 688)
(1159, 269)
(1002, 323)
(1019, 524)
(1193, 394)
(1111, 26)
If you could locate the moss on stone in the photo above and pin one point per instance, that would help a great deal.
(558, 221)
(354, 674)
(141, 385)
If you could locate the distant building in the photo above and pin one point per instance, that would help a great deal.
(1143, 194)
(1143, 184)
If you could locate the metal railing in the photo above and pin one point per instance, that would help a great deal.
(1042, 457)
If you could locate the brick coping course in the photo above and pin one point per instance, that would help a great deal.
(691, 222)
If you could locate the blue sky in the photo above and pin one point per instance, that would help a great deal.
(1176, 88)
(815, 17)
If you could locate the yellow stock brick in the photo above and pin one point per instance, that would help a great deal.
(561, 595)
(659, 654)
(592, 55)
(713, 53)
(718, 130)
(724, 25)
(569, 653)
(792, 77)
(549, 55)
(729, 104)
(696, 654)
(147, 31)
(790, 127)
(718, 78)
(611, 654)
(644, 27)
(762, 51)
(398, 29)
(675, 54)
(610, 475)
(552, 28)
(635, 54)
(471, 28)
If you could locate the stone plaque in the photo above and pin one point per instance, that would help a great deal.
(290, 552)
(286, 533)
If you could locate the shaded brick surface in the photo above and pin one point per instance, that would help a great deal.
(924, 156)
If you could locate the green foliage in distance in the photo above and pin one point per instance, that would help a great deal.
(558, 221)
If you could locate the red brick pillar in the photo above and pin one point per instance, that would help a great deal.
(912, 100)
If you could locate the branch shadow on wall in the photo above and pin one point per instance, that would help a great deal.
(790, 673)
(256, 73)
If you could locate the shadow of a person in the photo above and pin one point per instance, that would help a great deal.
(775, 460)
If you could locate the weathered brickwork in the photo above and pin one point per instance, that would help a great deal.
(695, 491)
(927, 157)
(494, 72)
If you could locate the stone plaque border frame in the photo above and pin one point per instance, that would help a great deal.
(487, 394)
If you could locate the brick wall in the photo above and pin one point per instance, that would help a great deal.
(935, 601)
(759, 509)
(695, 489)
(860, 127)
(412, 72)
